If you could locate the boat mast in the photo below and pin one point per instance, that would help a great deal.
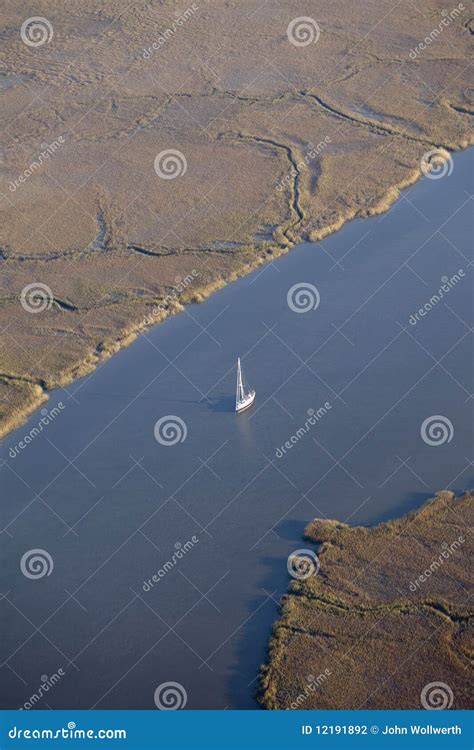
(240, 387)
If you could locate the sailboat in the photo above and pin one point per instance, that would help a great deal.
(244, 396)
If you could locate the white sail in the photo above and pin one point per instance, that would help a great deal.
(244, 396)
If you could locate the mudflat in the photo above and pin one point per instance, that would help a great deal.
(386, 622)
(154, 153)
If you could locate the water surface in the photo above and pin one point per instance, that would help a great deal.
(111, 505)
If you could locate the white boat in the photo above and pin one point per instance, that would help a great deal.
(244, 396)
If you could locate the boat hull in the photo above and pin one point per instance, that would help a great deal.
(243, 405)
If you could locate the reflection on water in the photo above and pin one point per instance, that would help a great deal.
(246, 431)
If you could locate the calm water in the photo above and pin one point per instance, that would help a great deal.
(111, 505)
